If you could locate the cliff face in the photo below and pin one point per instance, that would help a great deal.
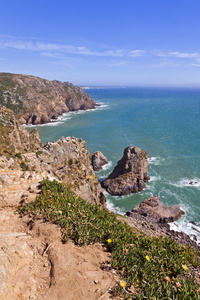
(15, 138)
(36, 101)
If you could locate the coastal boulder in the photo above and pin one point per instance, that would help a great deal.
(155, 211)
(98, 160)
(130, 174)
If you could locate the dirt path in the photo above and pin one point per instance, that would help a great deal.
(34, 264)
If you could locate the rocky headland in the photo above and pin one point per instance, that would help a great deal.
(130, 174)
(34, 262)
(37, 101)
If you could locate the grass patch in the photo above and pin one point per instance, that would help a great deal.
(157, 267)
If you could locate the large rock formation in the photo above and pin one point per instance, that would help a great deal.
(130, 174)
(36, 101)
(98, 160)
(155, 211)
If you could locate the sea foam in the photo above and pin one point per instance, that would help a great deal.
(185, 182)
(193, 231)
(107, 166)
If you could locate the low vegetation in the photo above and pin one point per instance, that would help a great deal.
(150, 267)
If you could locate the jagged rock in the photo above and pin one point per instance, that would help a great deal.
(70, 161)
(98, 160)
(14, 138)
(155, 211)
(130, 174)
(37, 101)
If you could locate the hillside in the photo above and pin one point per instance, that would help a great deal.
(36, 101)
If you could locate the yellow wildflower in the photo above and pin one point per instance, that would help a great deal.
(122, 284)
(178, 284)
(109, 241)
(147, 257)
(184, 267)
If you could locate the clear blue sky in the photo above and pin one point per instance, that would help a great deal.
(91, 42)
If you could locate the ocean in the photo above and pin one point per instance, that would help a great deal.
(165, 122)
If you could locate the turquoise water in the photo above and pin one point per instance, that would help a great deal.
(164, 122)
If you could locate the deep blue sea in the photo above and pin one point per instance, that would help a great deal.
(163, 122)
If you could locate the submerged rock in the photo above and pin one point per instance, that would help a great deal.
(98, 160)
(130, 174)
(155, 211)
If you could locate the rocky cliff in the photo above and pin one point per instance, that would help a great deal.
(15, 138)
(67, 160)
(36, 101)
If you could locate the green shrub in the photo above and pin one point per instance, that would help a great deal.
(38, 153)
(24, 166)
(70, 162)
(18, 155)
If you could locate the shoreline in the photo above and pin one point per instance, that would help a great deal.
(58, 121)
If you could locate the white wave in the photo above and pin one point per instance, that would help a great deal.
(154, 178)
(53, 123)
(112, 208)
(190, 229)
(107, 166)
(185, 182)
(102, 106)
(152, 159)
(65, 116)
(156, 160)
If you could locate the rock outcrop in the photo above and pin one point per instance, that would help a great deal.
(15, 138)
(155, 211)
(130, 174)
(69, 161)
(98, 160)
(36, 101)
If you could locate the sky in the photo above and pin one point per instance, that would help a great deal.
(103, 43)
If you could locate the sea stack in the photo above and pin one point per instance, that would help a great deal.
(130, 174)
(98, 160)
